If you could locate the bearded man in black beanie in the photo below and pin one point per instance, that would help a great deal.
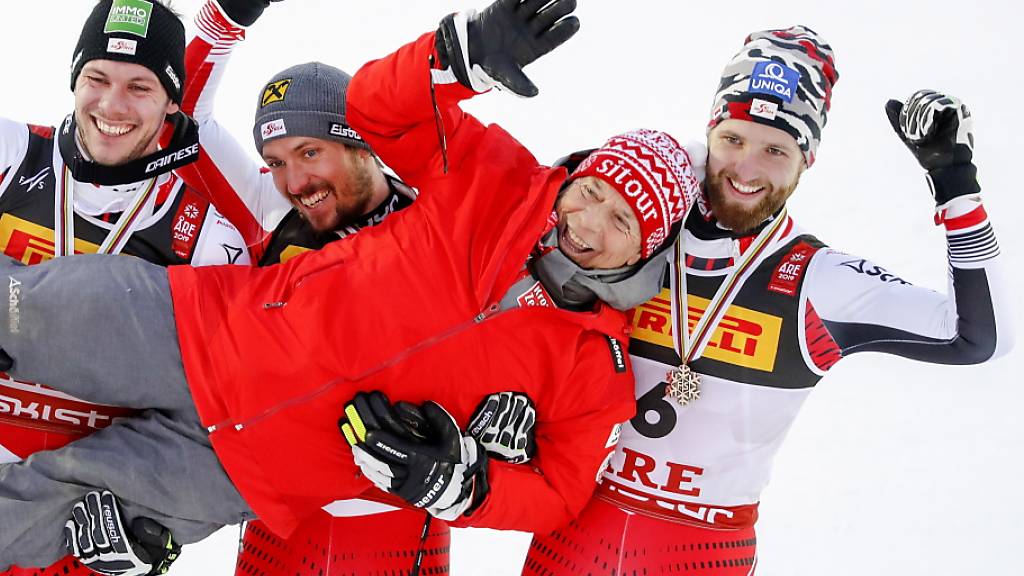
(104, 181)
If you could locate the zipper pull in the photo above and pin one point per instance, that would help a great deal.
(487, 312)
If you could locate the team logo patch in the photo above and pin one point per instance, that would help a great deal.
(774, 79)
(187, 222)
(790, 270)
(763, 109)
(275, 92)
(122, 46)
(273, 129)
(129, 17)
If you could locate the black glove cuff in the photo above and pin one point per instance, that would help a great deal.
(449, 50)
(244, 12)
(953, 182)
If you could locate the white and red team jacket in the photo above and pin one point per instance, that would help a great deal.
(177, 226)
(804, 308)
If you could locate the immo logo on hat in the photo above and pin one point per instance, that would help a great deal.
(774, 79)
(275, 91)
(129, 17)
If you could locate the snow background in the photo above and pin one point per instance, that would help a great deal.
(894, 467)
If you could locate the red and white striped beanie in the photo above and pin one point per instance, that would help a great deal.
(654, 174)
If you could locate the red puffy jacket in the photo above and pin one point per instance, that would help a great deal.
(407, 307)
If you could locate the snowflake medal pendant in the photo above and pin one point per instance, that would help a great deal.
(683, 385)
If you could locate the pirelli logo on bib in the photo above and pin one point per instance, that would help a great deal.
(31, 243)
(744, 337)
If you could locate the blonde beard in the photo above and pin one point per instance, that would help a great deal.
(739, 219)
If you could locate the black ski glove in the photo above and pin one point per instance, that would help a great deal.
(96, 535)
(491, 48)
(937, 130)
(443, 472)
(244, 12)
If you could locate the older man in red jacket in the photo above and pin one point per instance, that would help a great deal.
(265, 359)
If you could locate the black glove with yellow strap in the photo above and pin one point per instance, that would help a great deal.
(937, 128)
(416, 453)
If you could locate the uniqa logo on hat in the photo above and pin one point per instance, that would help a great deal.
(775, 79)
(129, 17)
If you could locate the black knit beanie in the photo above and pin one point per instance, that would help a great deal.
(136, 31)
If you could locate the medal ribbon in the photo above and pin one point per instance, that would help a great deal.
(691, 347)
(64, 217)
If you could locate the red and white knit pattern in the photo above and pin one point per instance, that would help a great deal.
(655, 176)
(216, 28)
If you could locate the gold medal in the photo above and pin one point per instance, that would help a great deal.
(683, 385)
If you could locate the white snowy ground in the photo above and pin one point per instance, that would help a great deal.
(894, 467)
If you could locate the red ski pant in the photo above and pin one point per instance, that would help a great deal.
(605, 539)
(324, 545)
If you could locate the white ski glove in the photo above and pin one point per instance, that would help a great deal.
(503, 423)
(96, 535)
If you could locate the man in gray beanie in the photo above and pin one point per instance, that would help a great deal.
(323, 182)
(770, 309)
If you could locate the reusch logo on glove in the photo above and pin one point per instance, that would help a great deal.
(129, 17)
(774, 79)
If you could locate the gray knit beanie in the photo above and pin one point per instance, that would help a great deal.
(305, 100)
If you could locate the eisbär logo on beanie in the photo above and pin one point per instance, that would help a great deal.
(781, 78)
(129, 17)
(654, 174)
